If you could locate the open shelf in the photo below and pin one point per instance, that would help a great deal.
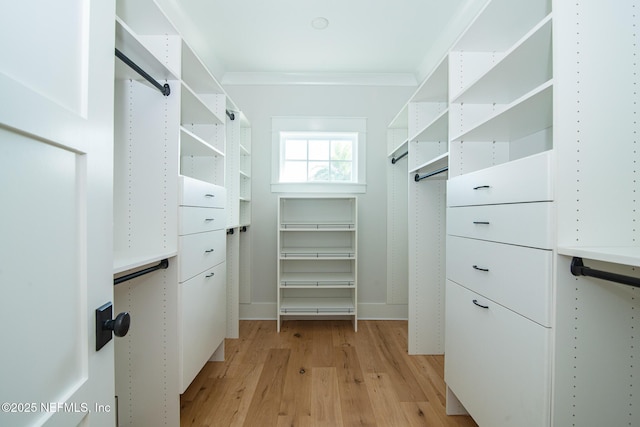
(627, 255)
(131, 46)
(314, 279)
(317, 306)
(436, 130)
(526, 65)
(195, 110)
(530, 113)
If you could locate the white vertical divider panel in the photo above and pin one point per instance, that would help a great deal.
(232, 184)
(245, 211)
(597, 130)
(427, 266)
(232, 167)
(597, 348)
(245, 266)
(233, 284)
(146, 378)
(428, 151)
(397, 214)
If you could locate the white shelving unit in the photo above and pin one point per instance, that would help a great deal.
(501, 122)
(397, 214)
(317, 257)
(419, 136)
(170, 160)
(146, 152)
(238, 184)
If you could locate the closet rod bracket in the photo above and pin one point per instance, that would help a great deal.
(161, 265)
(579, 269)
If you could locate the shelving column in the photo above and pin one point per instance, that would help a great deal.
(146, 150)
(317, 258)
(428, 161)
(500, 217)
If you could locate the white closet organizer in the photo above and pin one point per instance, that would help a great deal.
(500, 216)
(317, 257)
(238, 184)
(146, 150)
(202, 296)
(169, 200)
(418, 140)
(397, 213)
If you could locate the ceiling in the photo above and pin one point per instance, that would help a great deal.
(393, 40)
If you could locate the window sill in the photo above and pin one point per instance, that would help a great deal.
(316, 187)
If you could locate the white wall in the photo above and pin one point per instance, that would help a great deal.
(378, 105)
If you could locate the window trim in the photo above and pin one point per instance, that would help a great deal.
(319, 124)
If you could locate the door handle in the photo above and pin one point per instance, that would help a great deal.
(106, 326)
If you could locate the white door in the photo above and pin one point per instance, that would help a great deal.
(56, 130)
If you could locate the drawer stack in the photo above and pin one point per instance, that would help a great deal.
(498, 301)
(202, 275)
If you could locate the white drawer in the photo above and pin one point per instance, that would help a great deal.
(526, 224)
(202, 320)
(201, 251)
(197, 220)
(496, 362)
(524, 180)
(515, 276)
(194, 192)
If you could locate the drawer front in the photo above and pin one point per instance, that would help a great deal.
(199, 252)
(526, 224)
(197, 220)
(524, 180)
(194, 192)
(517, 277)
(202, 321)
(497, 362)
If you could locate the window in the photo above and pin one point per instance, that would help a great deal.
(318, 157)
(318, 154)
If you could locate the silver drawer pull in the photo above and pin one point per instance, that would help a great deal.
(481, 187)
(209, 251)
(209, 275)
(481, 222)
(475, 267)
(209, 195)
(475, 301)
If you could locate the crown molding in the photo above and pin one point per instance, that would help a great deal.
(334, 79)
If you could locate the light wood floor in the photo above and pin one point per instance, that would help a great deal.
(320, 373)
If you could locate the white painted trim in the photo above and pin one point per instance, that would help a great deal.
(319, 187)
(335, 79)
(319, 124)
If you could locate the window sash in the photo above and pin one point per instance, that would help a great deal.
(319, 152)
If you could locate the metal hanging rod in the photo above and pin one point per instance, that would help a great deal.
(419, 177)
(395, 159)
(231, 115)
(161, 265)
(579, 269)
(164, 89)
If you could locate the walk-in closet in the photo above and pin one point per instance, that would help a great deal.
(408, 213)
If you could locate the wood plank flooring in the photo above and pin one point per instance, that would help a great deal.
(320, 373)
